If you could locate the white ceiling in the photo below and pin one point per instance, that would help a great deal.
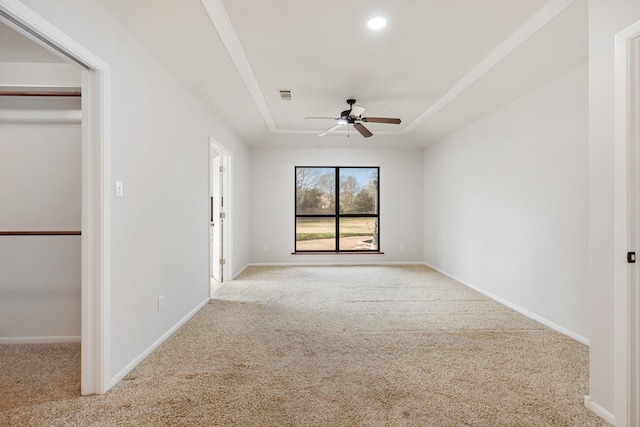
(438, 65)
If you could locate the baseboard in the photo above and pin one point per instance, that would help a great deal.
(39, 340)
(131, 366)
(241, 271)
(599, 410)
(321, 263)
(515, 307)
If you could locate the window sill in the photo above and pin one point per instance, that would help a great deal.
(339, 253)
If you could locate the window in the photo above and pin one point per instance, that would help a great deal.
(337, 209)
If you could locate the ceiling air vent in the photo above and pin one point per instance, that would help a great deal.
(285, 95)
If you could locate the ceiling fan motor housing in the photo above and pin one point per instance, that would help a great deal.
(346, 115)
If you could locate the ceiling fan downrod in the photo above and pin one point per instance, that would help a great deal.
(346, 114)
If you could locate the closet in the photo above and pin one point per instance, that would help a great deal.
(40, 193)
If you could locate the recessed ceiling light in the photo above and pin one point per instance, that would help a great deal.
(377, 23)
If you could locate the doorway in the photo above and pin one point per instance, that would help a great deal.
(95, 204)
(219, 214)
(627, 227)
(40, 142)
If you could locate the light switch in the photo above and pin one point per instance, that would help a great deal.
(118, 188)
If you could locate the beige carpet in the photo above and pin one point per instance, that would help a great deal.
(324, 346)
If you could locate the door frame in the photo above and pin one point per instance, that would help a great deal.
(627, 139)
(96, 178)
(227, 230)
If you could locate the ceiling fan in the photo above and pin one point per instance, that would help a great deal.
(354, 117)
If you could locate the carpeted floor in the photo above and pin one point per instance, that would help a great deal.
(324, 346)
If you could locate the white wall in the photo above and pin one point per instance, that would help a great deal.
(272, 202)
(40, 176)
(240, 201)
(606, 18)
(506, 203)
(39, 191)
(159, 149)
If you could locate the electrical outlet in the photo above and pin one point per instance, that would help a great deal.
(402, 247)
(160, 302)
(266, 248)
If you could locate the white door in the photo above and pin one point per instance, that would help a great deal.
(634, 288)
(634, 242)
(216, 221)
(220, 213)
(633, 183)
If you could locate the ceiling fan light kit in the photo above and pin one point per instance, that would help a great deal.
(354, 117)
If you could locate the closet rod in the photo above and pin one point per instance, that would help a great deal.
(40, 93)
(40, 233)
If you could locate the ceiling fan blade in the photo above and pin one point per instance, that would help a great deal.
(331, 129)
(357, 110)
(363, 130)
(381, 120)
(329, 118)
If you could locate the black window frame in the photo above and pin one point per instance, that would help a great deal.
(336, 215)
